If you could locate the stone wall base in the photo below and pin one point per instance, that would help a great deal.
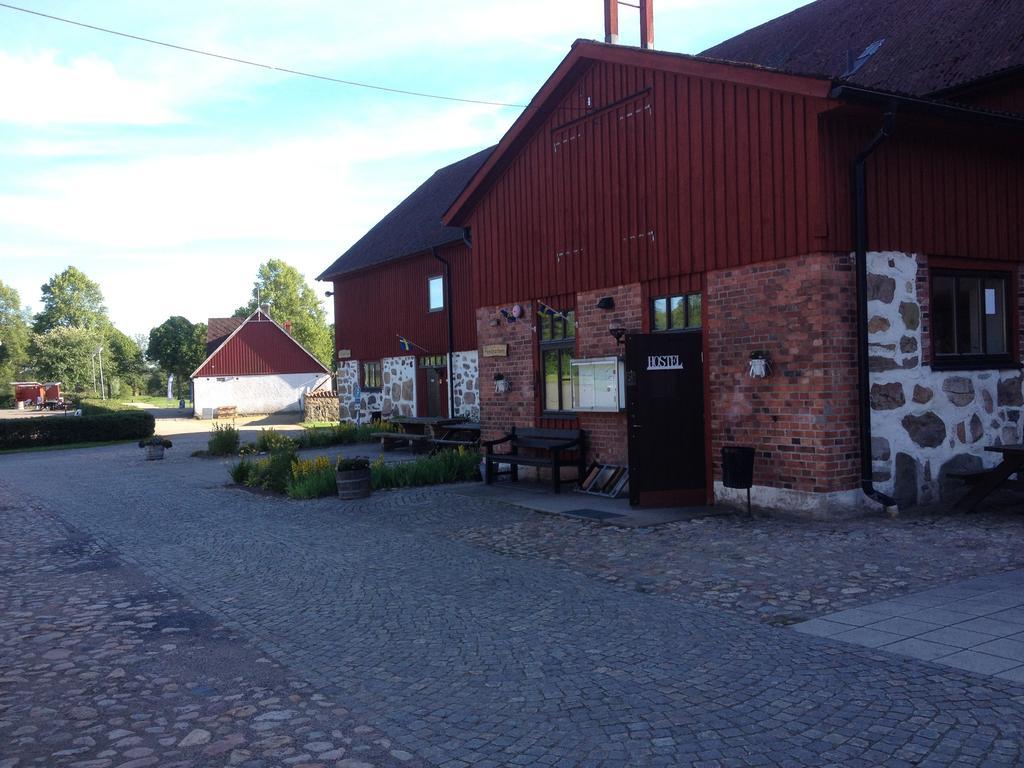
(803, 505)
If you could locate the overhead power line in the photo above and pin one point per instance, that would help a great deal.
(270, 67)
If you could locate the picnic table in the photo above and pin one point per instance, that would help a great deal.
(985, 482)
(459, 434)
(414, 432)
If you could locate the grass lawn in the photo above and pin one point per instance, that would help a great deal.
(154, 400)
(69, 446)
(314, 424)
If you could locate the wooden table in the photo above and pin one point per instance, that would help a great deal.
(459, 434)
(1012, 463)
(415, 432)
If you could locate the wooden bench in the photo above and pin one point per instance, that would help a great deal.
(391, 440)
(461, 434)
(552, 448)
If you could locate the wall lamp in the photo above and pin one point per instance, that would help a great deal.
(328, 293)
(606, 302)
(618, 334)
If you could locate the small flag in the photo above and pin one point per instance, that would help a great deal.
(405, 344)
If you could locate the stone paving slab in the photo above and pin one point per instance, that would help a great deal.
(466, 656)
(975, 624)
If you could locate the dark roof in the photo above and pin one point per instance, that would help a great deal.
(218, 329)
(257, 346)
(415, 225)
(929, 45)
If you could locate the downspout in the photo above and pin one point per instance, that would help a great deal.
(860, 239)
(451, 332)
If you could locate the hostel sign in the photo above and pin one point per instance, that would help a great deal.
(664, 363)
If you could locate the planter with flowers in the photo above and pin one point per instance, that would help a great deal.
(154, 446)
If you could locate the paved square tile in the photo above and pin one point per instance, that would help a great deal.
(982, 663)
(941, 616)
(821, 628)
(920, 649)
(1005, 647)
(991, 626)
(956, 636)
(868, 637)
(899, 625)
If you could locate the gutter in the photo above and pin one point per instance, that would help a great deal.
(860, 239)
(854, 94)
(451, 324)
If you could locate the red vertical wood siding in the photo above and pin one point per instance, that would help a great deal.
(374, 306)
(259, 347)
(665, 174)
(933, 188)
(1003, 95)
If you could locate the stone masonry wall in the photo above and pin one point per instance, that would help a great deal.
(465, 375)
(397, 396)
(606, 432)
(500, 411)
(926, 423)
(802, 418)
(321, 406)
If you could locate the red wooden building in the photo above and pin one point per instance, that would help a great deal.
(705, 210)
(404, 317)
(255, 366)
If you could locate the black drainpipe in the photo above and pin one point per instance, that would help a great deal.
(860, 239)
(451, 333)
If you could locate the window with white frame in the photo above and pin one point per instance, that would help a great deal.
(435, 293)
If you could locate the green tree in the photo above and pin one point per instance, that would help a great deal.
(68, 355)
(71, 300)
(127, 361)
(178, 346)
(14, 340)
(291, 299)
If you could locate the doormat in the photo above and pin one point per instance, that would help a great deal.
(593, 514)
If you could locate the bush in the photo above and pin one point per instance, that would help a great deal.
(241, 472)
(64, 430)
(155, 440)
(312, 478)
(342, 434)
(223, 440)
(273, 472)
(444, 467)
(94, 406)
(270, 441)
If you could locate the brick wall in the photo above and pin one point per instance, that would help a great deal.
(499, 412)
(803, 418)
(606, 432)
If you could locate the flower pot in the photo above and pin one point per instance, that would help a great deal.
(354, 484)
(154, 452)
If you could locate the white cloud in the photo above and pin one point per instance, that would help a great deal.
(39, 90)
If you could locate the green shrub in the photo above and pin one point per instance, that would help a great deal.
(223, 440)
(444, 467)
(155, 440)
(94, 406)
(350, 465)
(241, 472)
(273, 472)
(312, 478)
(271, 441)
(342, 434)
(64, 430)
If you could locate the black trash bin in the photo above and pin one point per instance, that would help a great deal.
(738, 468)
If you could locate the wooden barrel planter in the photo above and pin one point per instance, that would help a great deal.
(354, 484)
(154, 452)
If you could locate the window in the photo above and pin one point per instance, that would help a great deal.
(435, 291)
(970, 318)
(676, 313)
(557, 344)
(372, 378)
(433, 361)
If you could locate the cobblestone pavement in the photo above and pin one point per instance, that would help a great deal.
(100, 666)
(464, 656)
(781, 572)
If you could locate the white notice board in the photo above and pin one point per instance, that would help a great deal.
(597, 384)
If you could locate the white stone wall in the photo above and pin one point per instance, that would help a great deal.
(256, 394)
(465, 375)
(926, 423)
(397, 395)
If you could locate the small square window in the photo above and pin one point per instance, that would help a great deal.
(970, 320)
(372, 377)
(435, 291)
(676, 313)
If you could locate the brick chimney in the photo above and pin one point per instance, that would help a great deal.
(288, 326)
(611, 21)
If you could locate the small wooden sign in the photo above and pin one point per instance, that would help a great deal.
(344, 354)
(495, 350)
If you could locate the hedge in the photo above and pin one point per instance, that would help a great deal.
(64, 430)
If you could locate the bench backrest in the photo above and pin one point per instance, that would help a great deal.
(536, 436)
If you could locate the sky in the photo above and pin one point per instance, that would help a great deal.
(169, 177)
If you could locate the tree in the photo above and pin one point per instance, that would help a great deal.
(71, 300)
(292, 300)
(68, 355)
(14, 339)
(126, 359)
(178, 346)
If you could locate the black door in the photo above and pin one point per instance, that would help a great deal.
(665, 414)
(433, 392)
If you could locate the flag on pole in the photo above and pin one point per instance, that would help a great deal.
(407, 345)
